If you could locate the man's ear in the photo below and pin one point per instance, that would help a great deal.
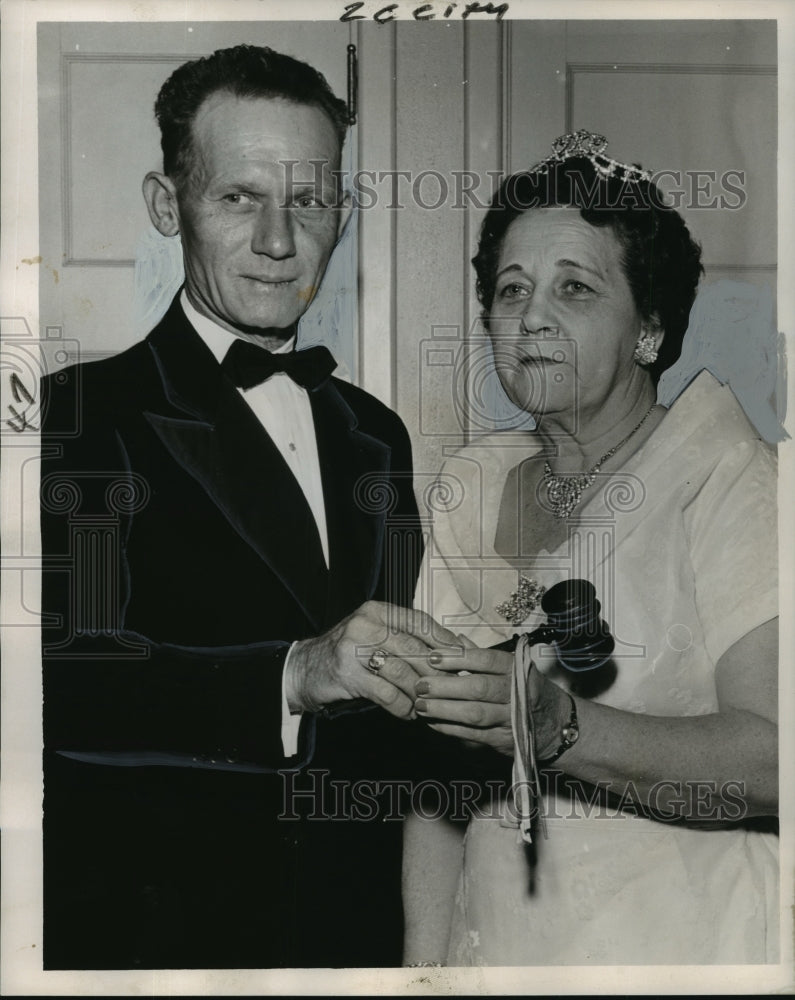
(160, 196)
(345, 209)
(652, 327)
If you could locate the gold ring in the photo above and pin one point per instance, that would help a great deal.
(377, 660)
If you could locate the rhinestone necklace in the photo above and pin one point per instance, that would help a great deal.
(564, 492)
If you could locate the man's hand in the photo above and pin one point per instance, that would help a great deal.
(333, 667)
(471, 699)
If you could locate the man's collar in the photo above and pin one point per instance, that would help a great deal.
(215, 336)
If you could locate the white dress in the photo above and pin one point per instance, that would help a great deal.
(681, 546)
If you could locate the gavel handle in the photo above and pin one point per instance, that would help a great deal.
(544, 633)
(337, 708)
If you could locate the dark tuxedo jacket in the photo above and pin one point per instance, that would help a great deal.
(180, 560)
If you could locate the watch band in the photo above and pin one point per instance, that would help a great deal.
(569, 735)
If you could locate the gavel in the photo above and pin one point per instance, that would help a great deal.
(580, 638)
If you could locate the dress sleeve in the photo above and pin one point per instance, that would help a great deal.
(732, 524)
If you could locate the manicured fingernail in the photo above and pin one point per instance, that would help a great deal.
(421, 706)
(434, 659)
(422, 687)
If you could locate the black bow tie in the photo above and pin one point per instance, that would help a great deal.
(248, 365)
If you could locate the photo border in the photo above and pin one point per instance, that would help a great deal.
(20, 789)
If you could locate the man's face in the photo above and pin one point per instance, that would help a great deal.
(259, 213)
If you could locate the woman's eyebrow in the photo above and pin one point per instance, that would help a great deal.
(568, 262)
(508, 269)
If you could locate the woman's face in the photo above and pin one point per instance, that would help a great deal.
(563, 321)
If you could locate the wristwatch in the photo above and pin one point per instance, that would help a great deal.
(569, 734)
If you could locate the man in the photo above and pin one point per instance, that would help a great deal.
(207, 540)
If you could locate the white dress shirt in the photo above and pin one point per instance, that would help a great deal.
(284, 410)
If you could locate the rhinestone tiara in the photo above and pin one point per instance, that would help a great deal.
(592, 147)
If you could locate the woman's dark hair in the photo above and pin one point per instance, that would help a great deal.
(661, 261)
(244, 71)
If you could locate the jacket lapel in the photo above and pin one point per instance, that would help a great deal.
(354, 468)
(217, 439)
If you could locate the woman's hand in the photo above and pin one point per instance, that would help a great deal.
(470, 697)
(551, 709)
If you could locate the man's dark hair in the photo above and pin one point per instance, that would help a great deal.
(661, 261)
(243, 71)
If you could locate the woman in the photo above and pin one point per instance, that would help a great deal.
(658, 770)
